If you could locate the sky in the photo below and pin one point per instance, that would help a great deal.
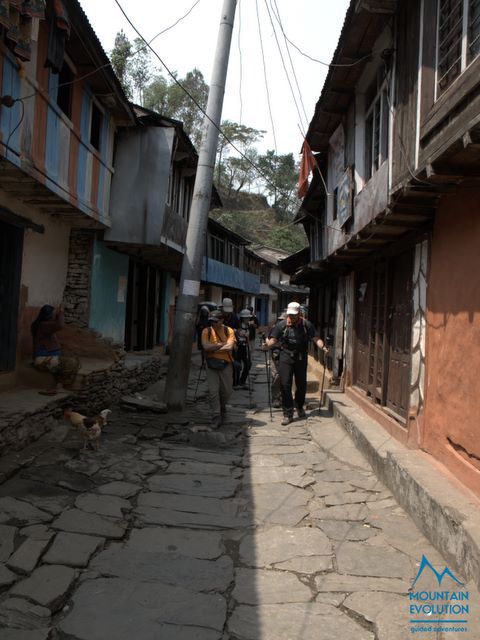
(312, 25)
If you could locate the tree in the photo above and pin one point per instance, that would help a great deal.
(243, 138)
(181, 106)
(155, 96)
(120, 59)
(281, 173)
(171, 100)
(140, 69)
(239, 172)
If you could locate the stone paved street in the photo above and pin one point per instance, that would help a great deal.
(168, 532)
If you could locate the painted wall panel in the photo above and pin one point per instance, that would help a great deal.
(45, 259)
(228, 276)
(53, 132)
(63, 154)
(9, 118)
(140, 185)
(83, 151)
(109, 292)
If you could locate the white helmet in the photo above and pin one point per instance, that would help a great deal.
(245, 313)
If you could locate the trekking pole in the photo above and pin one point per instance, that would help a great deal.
(320, 402)
(198, 379)
(267, 366)
(248, 377)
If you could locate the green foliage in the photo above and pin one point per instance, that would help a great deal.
(169, 99)
(140, 69)
(155, 96)
(119, 57)
(281, 184)
(249, 215)
(236, 171)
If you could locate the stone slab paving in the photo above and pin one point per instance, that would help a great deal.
(72, 549)
(7, 537)
(253, 532)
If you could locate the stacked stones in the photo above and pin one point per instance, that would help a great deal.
(77, 288)
(98, 390)
(102, 389)
(21, 427)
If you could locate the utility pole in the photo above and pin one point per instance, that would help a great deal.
(186, 308)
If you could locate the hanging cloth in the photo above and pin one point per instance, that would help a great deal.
(307, 166)
(58, 36)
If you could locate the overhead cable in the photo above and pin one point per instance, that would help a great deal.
(266, 79)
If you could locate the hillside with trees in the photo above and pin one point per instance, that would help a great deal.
(258, 190)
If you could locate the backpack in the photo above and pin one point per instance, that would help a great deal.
(283, 337)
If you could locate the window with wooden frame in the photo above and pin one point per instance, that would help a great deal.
(96, 123)
(66, 79)
(233, 254)
(316, 240)
(458, 39)
(187, 198)
(216, 248)
(376, 131)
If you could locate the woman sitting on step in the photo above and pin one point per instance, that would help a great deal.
(46, 348)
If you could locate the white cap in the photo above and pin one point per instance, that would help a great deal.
(293, 309)
(227, 305)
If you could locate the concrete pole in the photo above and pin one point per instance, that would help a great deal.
(186, 308)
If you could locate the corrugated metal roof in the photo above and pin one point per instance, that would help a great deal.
(363, 23)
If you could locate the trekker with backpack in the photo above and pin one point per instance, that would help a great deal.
(242, 354)
(292, 336)
(218, 342)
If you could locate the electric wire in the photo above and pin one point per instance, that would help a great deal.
(16, 126)
(199, 107)
(245, 157)
(330, 64)
(240, 61)
(284, 65)
(266, 79)
(130, 55)
(168, 28)
(277, 16)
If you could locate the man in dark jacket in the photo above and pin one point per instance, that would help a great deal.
(292, 337)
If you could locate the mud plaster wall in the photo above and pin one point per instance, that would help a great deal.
(453, 338)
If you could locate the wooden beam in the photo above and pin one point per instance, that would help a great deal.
(20, 221)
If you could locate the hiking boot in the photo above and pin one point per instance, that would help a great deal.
(277, 404)
(287, 419)
(301, 412)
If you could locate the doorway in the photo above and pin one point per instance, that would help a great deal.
(11, 246)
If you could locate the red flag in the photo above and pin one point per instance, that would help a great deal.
(307, 165)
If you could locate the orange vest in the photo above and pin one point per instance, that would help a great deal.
(224, 335)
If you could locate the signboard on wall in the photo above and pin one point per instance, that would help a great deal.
(344, 197)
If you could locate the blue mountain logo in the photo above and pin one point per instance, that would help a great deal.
(425, 564)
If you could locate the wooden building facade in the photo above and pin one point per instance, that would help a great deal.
(394, 232)
(58, 116)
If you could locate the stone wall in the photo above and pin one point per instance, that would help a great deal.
(77, 290)
(103, 389)
(99, 390)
